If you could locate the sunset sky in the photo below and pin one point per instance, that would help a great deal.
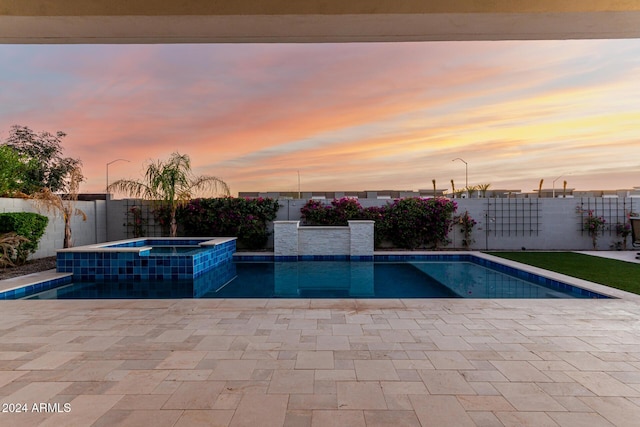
(350, 116)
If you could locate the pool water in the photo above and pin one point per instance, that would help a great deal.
(176, 250)
(326, 279)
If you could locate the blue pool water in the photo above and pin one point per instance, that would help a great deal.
(328, 279)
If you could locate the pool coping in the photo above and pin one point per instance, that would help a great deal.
(112, 246)
(50, 278)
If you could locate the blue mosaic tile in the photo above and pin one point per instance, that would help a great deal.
(361, 258)
(35, 288)
(123, 265)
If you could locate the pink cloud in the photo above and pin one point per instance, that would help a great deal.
(346, 115)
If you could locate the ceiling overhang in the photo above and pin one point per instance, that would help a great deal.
(293, 21)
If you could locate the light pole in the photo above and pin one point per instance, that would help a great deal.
(553, 185)
(298, 184)
(113, 161)
(466, 172)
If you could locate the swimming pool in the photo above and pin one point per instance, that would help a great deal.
(409, 278)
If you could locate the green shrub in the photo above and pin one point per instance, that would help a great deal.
(245, 219)
(28, 225)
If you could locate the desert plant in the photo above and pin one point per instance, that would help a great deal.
(9, 243)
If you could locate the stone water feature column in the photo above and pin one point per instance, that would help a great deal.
(285, 238)
(361, 238)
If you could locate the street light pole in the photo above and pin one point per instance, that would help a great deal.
(466, 171)
(298, 184)
(553, 185)
(113, 161)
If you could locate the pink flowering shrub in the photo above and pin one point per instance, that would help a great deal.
(407, 223)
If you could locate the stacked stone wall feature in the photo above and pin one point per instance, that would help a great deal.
(361, 238)
(326, 241)
(292, 240)
(285, 238)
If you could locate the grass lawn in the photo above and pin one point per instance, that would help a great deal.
(609, 272)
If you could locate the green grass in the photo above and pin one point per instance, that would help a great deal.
(616, 274)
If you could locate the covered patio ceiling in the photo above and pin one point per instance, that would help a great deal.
(292, 21)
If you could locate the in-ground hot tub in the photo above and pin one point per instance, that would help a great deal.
(151, 258)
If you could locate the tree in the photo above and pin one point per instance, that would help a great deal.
(471, 189)
(540, 188)
(14, 169)
(63, 204)
(43, 151)
(483, 189)
(171, 184)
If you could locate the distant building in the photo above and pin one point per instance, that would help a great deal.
(439, 192)
(372, 194)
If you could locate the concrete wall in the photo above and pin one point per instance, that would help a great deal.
(535, 224)
(93, 230)
(513, 224)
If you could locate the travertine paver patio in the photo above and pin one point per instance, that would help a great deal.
(321, 362)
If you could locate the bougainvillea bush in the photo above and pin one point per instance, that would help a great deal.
(407, 223)
(314, 212)
(417, 222)
(245, 219)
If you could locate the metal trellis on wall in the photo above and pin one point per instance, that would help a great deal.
(140, 220)
(513, 217)
(614, 211)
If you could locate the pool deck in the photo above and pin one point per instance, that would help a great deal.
(263, 362)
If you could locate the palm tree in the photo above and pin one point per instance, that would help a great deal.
(483, 189)
(171, 184)
(540, 188)
(471, 189)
